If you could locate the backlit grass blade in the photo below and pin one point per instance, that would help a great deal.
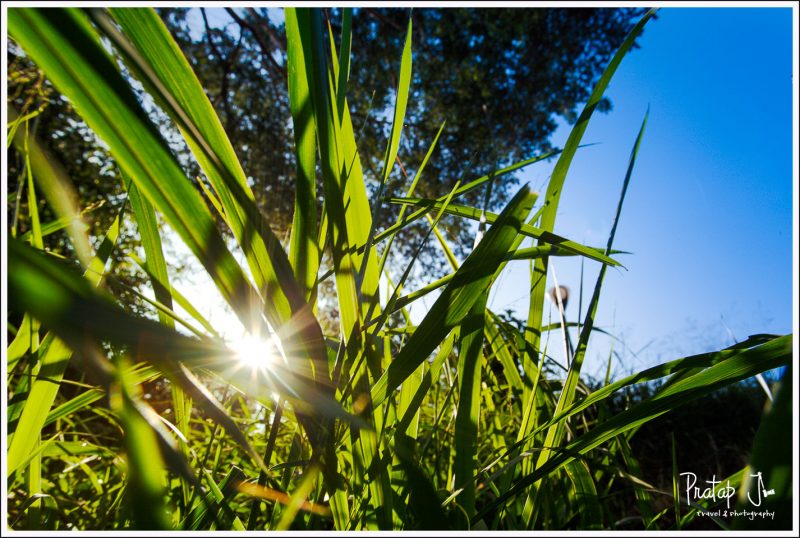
(474, 276)
(23, 341)
(304, 252)
(304, 28)
(53, 356)
(151, 242)
(401, 102)
(342, 66)
(138, 373)
(65, 46)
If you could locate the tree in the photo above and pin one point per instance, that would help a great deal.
(498, 77)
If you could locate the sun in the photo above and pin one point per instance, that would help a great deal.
(256, 353)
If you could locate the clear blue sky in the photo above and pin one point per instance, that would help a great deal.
(708, 214)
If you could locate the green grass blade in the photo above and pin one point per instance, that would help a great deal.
(400, 104)
(742, 365)
(409, 192)
(304, 251)
(54, 358)
(463, 189)
(145, 465)
(573, 376)
(151, 242)
(556, 184)
(24, 340)
(470, 358)
(556, 432)
(475, 275)
(304, 28)
(528, 230)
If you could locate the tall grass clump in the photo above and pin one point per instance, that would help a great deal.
(454, 422)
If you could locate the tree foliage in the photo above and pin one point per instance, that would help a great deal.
(502, 75)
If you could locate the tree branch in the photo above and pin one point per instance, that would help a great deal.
(266, 50)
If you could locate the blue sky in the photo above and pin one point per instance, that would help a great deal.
(708, 214)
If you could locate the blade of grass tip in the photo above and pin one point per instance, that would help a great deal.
(475, 274)
(400, 104)
(526, 229)
(468, 187)
(344, 60)
(409, 192)
(138, 373)
(556, 183)
(555, 433)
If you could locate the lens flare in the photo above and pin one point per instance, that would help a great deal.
(259, 354)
